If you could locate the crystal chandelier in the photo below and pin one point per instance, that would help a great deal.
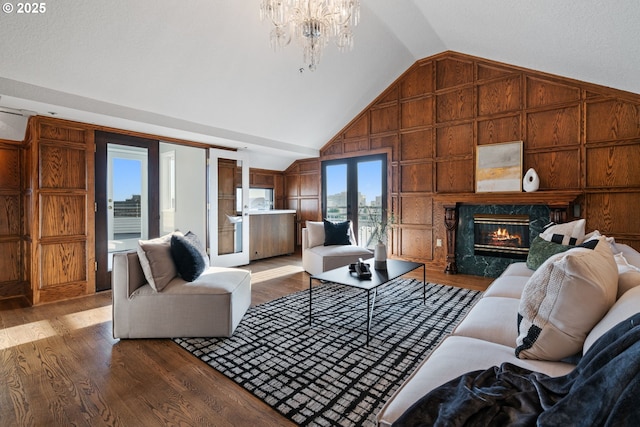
(312, 23)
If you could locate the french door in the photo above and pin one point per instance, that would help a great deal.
(126, 197)
(229, 216)
(356, 189)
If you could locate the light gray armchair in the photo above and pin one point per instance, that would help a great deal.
(211, 306)
(317, 258)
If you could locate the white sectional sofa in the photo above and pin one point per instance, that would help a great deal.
(487, 336)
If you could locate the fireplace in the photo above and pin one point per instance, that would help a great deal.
(501, 235)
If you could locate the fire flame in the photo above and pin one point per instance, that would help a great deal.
(502, 234)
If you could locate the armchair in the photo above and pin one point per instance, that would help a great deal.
(317, 258)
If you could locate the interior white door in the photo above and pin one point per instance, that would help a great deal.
(229, 203)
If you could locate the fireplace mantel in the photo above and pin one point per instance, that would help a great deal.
(557, 201)
(560, 199)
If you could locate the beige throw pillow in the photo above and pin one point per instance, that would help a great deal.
(563, 300)
(156, 261)
(315, 233)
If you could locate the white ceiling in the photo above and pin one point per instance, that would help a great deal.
(203, 70)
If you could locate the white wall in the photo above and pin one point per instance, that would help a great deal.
(190, 208)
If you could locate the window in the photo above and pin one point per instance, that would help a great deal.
(356, 189)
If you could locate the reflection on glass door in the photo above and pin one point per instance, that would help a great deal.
(229, 210)
(127, 197)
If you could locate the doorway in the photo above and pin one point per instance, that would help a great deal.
(229, 216)
(127, 208)
(356, 189)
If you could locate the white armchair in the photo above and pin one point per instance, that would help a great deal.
(317, 258)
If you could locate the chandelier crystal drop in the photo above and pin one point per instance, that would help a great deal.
(312, 23)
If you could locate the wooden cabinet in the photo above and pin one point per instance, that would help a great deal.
(58, 206)
(271, 234)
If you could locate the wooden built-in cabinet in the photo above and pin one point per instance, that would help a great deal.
(58, 211)
(271, 234)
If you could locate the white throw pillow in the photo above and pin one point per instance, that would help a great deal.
(156, 261)
(570, 233)
(628, 274)
(315, 233)
(563, 300)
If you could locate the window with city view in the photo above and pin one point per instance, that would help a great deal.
(355, 189)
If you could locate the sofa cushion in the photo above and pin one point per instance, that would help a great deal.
(336, 233)
(631, 255)
(540, 250)
(628, 274)
(156, 261)
(569, 233)
(341, 251)
(507, 287)
(517, 269)
(625, 307)
(627, 280)
(315, 233)
(457, 355)
(563, 300)
(187, 256)
(486, 321)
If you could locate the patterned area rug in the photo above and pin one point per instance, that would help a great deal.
(325, 374)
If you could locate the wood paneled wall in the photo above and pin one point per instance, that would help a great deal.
(302, 192)
(58, 210)
(576, 135)
(11, 260)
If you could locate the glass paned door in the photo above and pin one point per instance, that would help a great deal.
(127, 197)
(356, 189)
(370, 207)
(336, 193)
(229, 216)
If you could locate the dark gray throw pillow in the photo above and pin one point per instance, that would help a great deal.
(193, 238)
(187, 258)
(336, 233)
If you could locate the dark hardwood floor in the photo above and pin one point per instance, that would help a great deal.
(60, 365)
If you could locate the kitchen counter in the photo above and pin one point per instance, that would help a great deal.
(271, 212)
(271, 233)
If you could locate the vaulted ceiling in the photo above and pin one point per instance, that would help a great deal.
(203, 70)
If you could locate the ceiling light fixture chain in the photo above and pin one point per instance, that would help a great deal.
(312, 23)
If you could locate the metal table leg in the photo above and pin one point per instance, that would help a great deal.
(370, 306)
(310, 301)
(424, 284)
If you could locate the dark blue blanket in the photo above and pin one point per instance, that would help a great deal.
(603, 390)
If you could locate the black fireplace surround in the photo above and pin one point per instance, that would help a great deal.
(492, 264)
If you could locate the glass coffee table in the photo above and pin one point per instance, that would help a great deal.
(342, 276)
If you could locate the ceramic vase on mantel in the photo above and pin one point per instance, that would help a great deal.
(380, 256)
(531, 181)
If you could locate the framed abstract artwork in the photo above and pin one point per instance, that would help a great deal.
(499, 167)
